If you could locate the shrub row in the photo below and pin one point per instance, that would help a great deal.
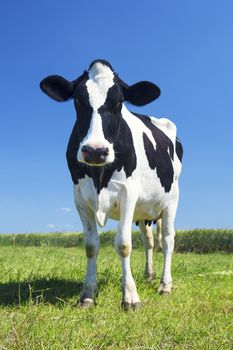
(197, 240)
(204, 241)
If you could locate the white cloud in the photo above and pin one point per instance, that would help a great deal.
(50, 225)
(66, 210)
(60, 227)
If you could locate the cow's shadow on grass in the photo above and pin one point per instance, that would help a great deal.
(52, 291)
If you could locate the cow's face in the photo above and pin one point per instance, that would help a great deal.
(98, 102)
(98, 96)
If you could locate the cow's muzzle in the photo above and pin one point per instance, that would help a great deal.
(94, 156)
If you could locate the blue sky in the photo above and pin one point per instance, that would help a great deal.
(185, 47)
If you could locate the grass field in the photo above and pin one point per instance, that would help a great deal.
(39, 289)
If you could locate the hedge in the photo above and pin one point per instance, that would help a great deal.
(196, 240)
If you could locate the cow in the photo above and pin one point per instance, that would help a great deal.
(124, 166)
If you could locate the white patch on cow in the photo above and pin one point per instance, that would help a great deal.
(109, 198)
(167, 126)
(99, 82)
(101, 79)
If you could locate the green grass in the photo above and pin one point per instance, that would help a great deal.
(39, 289)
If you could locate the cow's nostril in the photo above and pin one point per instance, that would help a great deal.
(106, 152)
(84, 148)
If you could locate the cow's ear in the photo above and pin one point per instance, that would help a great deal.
(141, 93)
(57, 88)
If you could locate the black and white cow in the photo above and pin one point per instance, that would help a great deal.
(124, 166)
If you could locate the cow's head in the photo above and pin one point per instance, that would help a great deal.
(98, 96)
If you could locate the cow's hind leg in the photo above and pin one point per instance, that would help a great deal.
(168, 235)
(159, 232)
(91, 240)
(148, 241)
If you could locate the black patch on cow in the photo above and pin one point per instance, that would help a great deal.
(179, 149)
(110, 113)
(77, 170)
(159, 158)
(125, 155)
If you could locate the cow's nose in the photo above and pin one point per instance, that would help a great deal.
(94, 155)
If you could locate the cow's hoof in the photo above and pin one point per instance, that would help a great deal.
(150, 276)
(86, 303)
(127, 306)
(136, 306)
(165, 288)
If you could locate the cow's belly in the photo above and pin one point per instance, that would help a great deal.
(142, 212)
(145, 208)
(151, 198)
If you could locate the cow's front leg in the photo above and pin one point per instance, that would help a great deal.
(123, 245)
(91, 240)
